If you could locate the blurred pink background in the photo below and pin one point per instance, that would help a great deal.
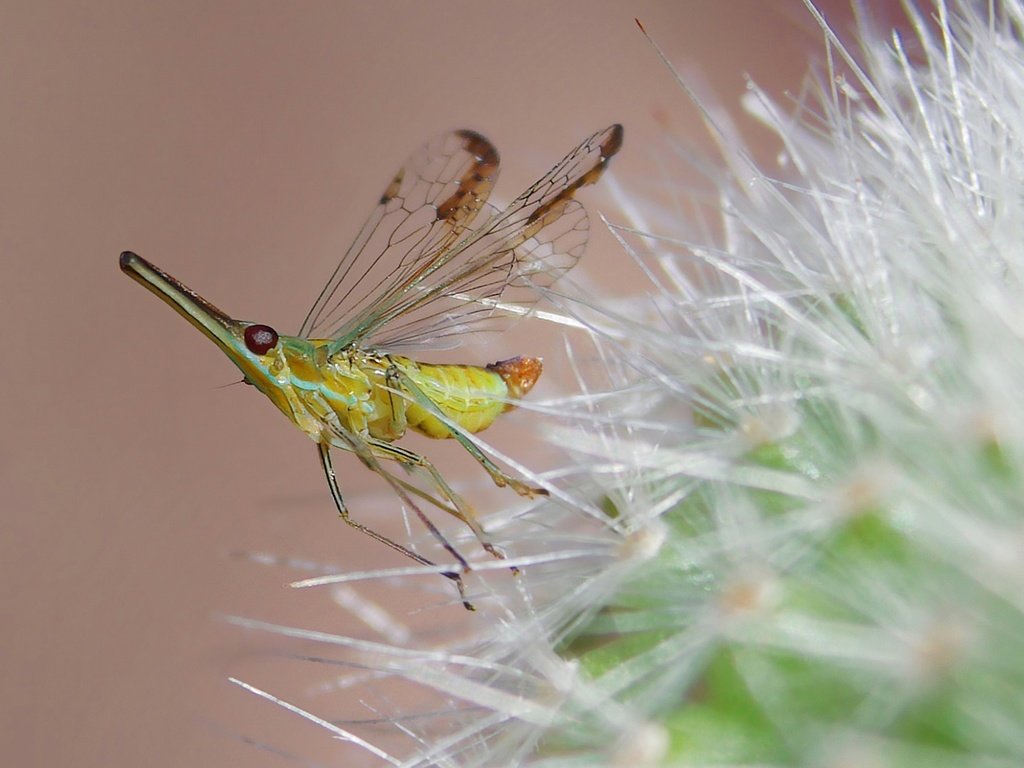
(239, 145)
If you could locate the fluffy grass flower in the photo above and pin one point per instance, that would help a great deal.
(791, 532)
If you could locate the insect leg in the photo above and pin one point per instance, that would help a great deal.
(501, 479)
(332, 482)
(459, 509)
(353, 441)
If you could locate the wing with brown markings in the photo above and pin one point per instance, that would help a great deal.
(428, 204)
(445, 285)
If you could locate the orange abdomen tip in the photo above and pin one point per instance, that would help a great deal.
(518, 373)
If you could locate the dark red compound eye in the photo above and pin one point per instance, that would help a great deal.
(260, 339)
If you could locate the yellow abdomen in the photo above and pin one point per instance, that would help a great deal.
(471, 396)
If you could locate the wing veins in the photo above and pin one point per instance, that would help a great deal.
(455, 265)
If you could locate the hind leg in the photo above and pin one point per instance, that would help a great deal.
(501, 479)
(459, 508)
(351, 441)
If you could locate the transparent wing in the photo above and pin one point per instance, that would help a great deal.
(469, 302)
(528, 245)
(429, 203)
(539, 236)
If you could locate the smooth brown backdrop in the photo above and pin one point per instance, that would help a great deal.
(239, 145)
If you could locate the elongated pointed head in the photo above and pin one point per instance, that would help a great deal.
(223, 330)
(247, 344)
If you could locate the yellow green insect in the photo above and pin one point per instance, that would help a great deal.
(419, 275)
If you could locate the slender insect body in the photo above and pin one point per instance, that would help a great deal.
(420, 272)
(365, 390)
